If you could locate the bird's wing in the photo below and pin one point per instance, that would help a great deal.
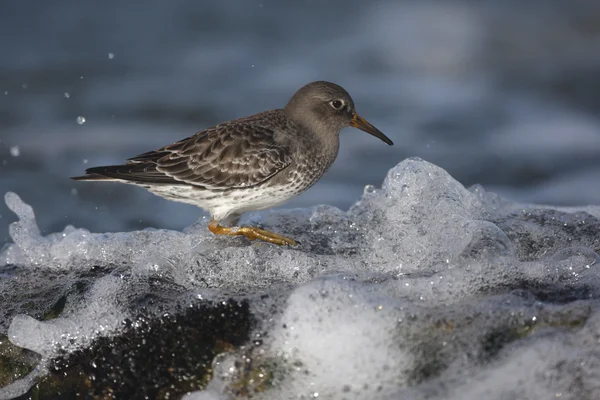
(230, 155)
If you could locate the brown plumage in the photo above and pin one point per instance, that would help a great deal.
(250, 163)
(235, 154)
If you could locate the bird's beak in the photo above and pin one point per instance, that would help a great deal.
(362, 124)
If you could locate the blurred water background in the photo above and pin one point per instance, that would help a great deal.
(505, 94)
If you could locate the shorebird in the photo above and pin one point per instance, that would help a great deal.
(250, 163)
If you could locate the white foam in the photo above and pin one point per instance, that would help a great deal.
(99, 316)
(333, 348)
(423, 289)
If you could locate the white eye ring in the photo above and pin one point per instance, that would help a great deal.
(337, 104)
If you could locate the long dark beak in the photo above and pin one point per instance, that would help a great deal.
(362, 124)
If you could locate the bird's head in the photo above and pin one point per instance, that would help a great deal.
(327, 108)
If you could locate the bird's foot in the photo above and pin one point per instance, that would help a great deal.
(251, 233)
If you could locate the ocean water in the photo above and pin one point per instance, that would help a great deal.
(500, 94)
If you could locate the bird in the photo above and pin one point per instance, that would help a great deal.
(250, 163)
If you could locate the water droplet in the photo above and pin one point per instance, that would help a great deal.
(85, 160)
(67, 95)
(74, 192)
(111, 56)
(15, 151)
(25, 85)
(370, 189)
(81, 120)
(81, 77)
(5, 92)
(252, 65)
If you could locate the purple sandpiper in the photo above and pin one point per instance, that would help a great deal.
(249, 163)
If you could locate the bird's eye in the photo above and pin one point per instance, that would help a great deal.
(337, 104)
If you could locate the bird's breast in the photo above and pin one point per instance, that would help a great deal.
(310, 164)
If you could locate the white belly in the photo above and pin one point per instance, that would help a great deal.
(223, 204)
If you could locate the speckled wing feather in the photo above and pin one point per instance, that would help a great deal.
(228, 156)
(235, 154)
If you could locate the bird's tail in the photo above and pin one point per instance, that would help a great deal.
(105, 174)
(133, 172)
(93, 177)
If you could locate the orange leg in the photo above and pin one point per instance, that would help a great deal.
(251, 233)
